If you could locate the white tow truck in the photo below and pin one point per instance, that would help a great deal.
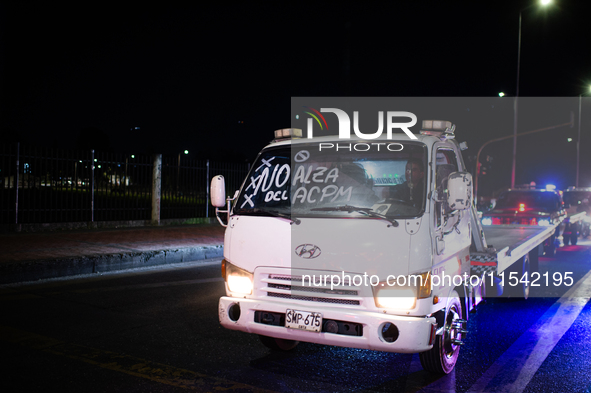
(325, 244)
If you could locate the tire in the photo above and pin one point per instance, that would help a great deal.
(442, 358)
(278, 344)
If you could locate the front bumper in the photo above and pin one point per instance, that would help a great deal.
(415, 333)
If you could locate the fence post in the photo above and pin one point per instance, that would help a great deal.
(207, 192)
(92, 187)
(18, 148)
(156, 188)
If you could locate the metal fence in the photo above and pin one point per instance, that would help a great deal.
(185, 185)
(44, 185)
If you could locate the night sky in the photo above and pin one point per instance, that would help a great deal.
(217, 79)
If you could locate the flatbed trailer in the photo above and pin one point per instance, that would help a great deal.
(507, 248)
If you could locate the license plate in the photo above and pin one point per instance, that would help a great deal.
(303, 320)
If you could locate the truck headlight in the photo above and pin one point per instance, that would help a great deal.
(397, 298)
(239, 280)
(402, 292)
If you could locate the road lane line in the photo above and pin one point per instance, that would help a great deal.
(130, 365)
(515, 368)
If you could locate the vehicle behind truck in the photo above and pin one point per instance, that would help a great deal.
(578, 210)
(363, 244)
(530, 207)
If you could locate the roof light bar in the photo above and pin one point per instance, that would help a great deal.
(436, 125)
(439, 128)
(286, 133)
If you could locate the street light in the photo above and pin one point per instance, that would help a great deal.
(579, 138)
(571, 123)
(178, 170)
(543, 3)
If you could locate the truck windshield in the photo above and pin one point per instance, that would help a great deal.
(531, 200)
(304, 181)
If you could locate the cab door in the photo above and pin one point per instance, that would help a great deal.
(451, 234)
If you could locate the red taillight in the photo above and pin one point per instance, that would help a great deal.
(496, 221)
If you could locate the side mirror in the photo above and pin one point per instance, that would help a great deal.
(459, 190)
(218, 191)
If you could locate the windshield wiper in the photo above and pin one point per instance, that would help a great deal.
(265, 212)
(354, 209)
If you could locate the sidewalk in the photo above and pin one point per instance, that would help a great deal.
(35, 256)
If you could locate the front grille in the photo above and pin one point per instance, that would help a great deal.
(280, 286)
(314, 290)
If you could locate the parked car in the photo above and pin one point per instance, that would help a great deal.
(530, 207)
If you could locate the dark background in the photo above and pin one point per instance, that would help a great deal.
(216, 79)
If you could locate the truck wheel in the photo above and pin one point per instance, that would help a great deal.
(278, 344)
(442, 358)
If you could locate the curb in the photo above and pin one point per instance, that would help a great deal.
(90, 225)
(16, 272)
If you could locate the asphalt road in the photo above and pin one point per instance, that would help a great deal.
(156, 330)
